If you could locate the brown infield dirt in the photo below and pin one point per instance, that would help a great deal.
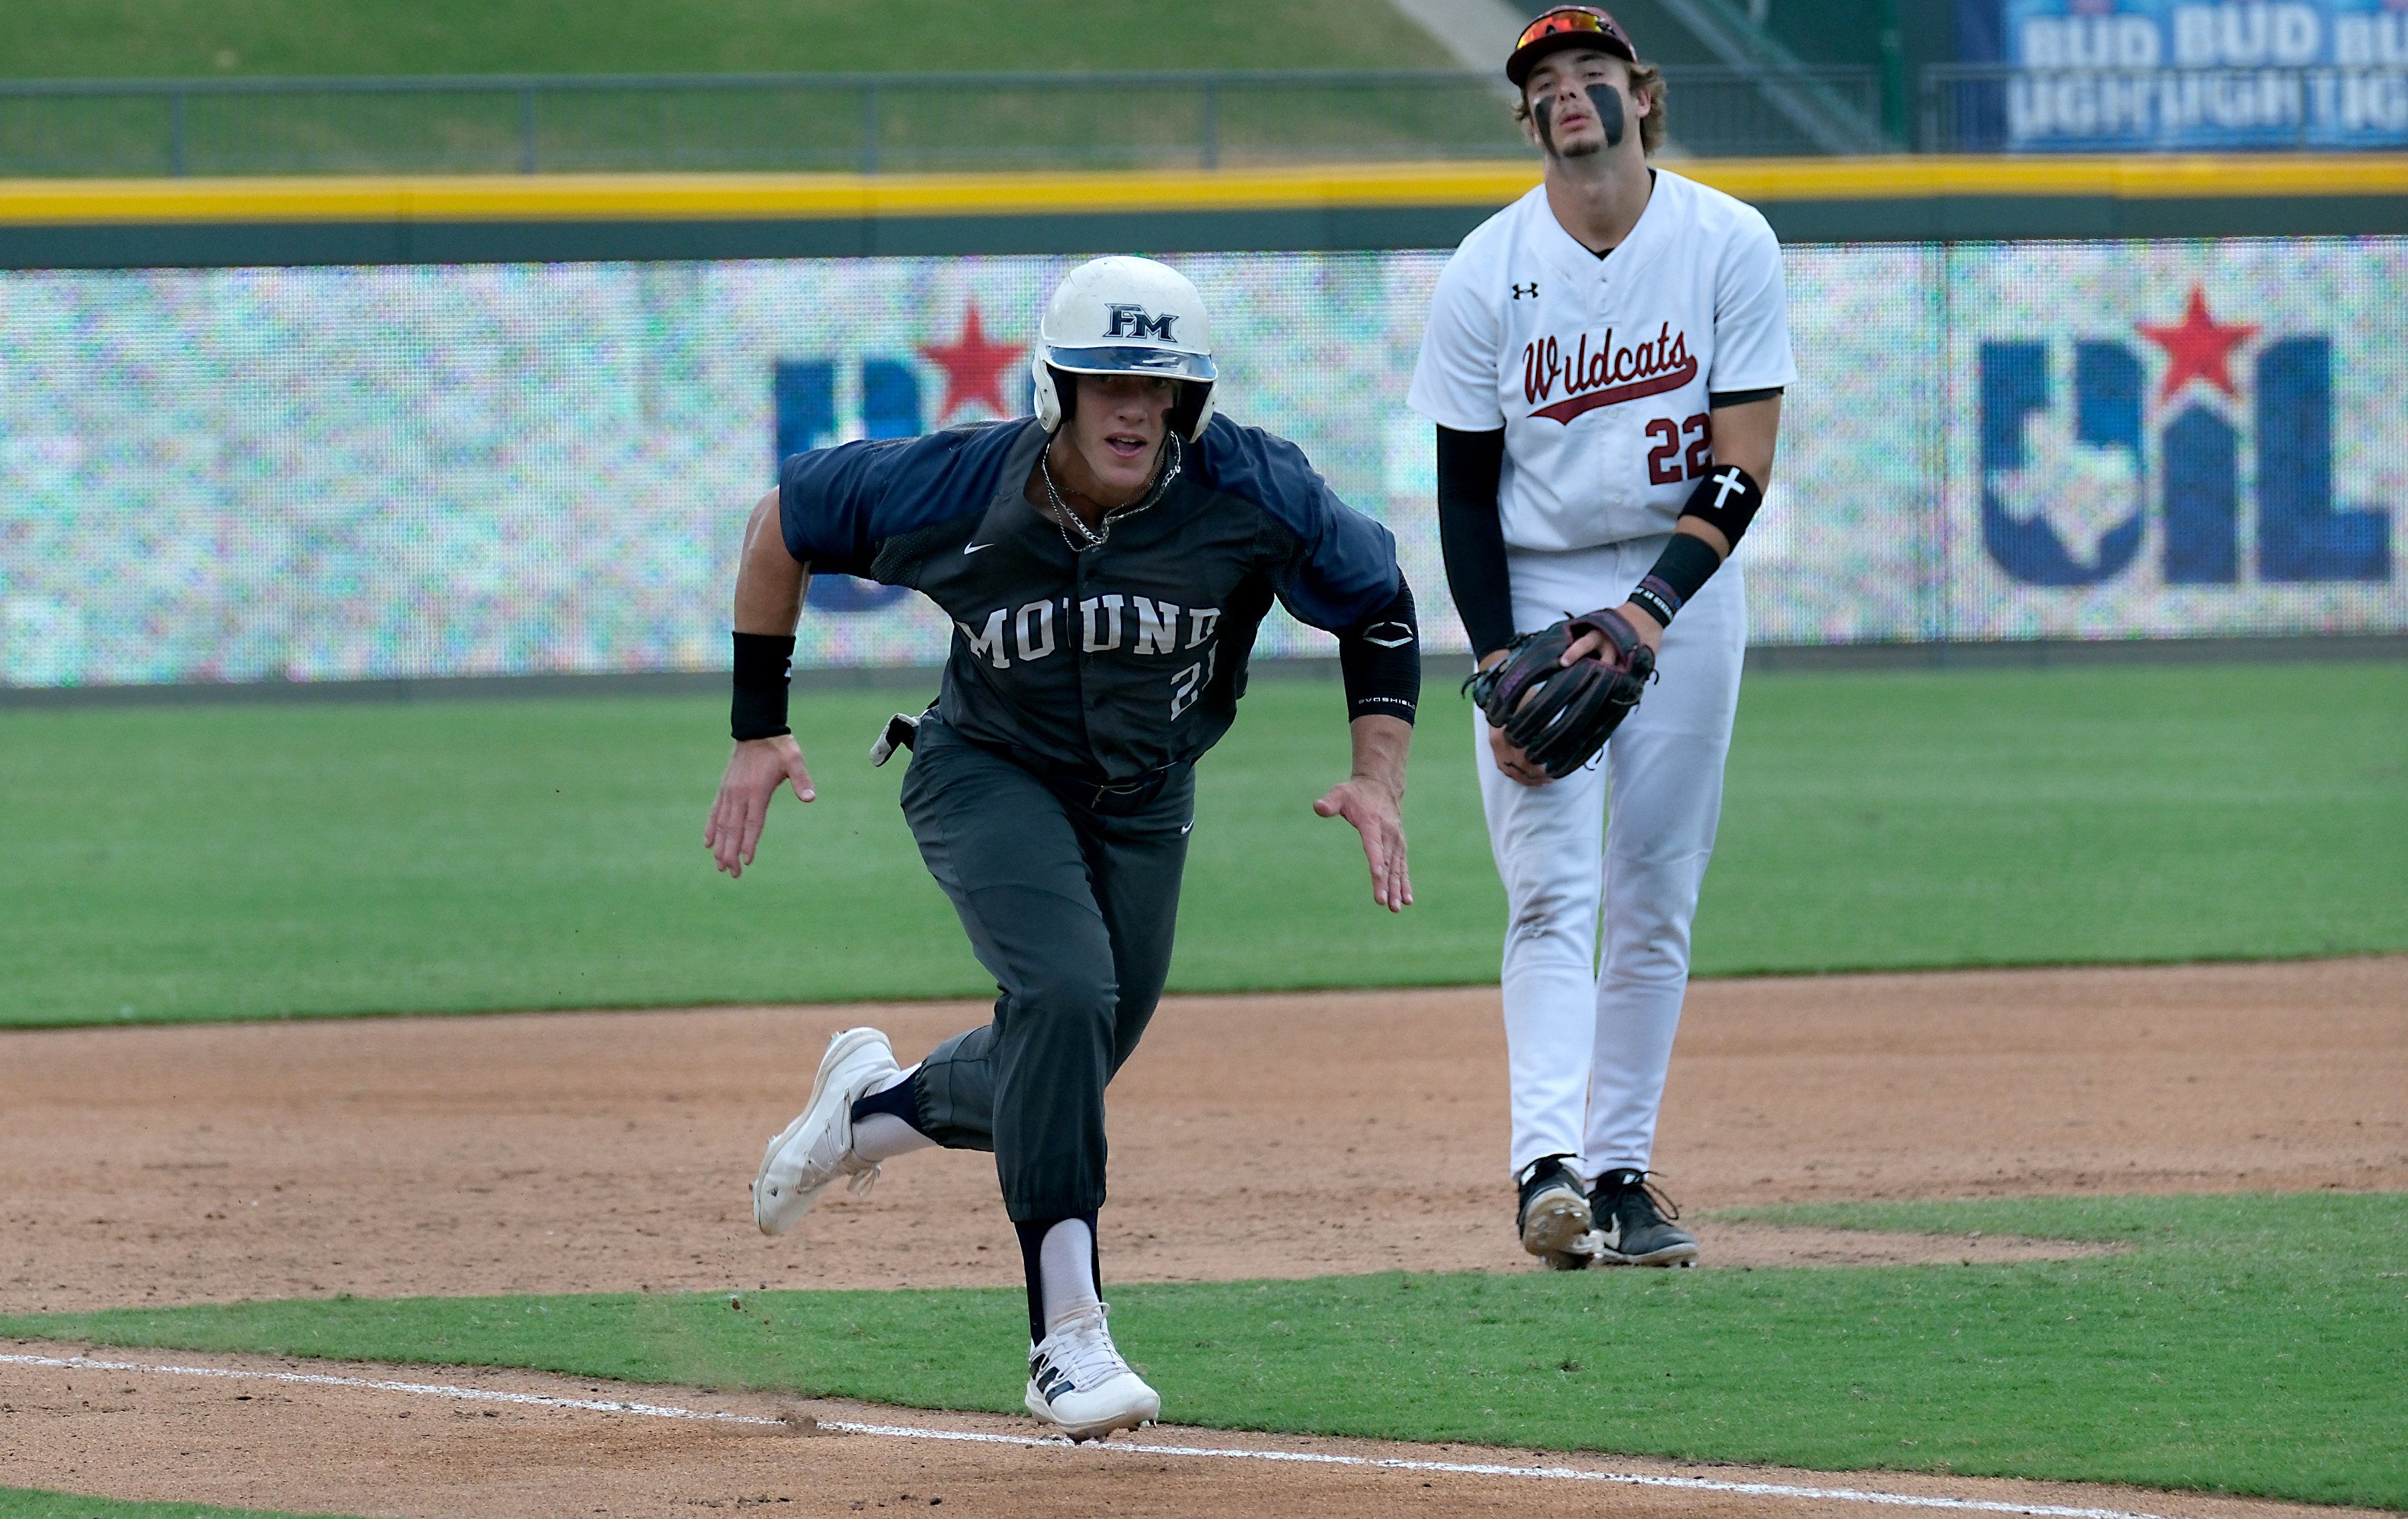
(1253, 1137)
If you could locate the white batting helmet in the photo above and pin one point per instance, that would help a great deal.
(1126, 316)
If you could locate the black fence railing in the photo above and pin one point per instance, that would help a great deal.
(859, 122)
(1997, 107)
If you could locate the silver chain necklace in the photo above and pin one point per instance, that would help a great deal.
(1065, 518)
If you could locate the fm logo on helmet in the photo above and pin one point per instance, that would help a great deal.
(1132, 322)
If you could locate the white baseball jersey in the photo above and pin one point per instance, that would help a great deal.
(1599, 370)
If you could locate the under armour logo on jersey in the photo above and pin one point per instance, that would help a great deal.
(1131, 320)
(1531, 290)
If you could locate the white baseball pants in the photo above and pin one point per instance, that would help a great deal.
(1589, 1036)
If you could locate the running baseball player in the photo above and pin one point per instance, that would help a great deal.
(1604, 362)
(1105, 565)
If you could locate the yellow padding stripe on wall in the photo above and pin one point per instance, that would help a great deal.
(2157, 178)
(748, 196)
(638, 197)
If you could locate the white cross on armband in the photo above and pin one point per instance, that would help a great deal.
(1730, 479)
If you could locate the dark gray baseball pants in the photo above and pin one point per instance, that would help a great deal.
(1072, 912)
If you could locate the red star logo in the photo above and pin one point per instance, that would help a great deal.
(2197, 347)
(974, 369)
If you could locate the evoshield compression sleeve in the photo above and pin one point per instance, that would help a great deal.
(1380, 659)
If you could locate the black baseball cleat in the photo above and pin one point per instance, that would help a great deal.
(1553, 1217)
(1633, 1222)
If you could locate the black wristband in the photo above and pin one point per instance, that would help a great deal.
(1727, 497)
(1655, 596)
(1686, 564)
(758, 710)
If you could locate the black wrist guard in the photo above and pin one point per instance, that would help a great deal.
(1727, 497)
(759, 708)
(1686, 564)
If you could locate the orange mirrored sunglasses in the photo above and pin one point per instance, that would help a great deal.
(1573, 19)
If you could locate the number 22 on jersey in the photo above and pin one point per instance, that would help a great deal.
(1665, 461)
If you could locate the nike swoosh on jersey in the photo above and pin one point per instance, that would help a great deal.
(1184, 827)
(973, 548)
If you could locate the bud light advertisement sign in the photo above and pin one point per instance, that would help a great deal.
(2120, 76)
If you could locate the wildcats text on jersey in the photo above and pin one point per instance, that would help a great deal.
(1605, 376)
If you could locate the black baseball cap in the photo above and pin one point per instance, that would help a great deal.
(1567, 27)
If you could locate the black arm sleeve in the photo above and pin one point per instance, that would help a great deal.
(1715, 400)
(1469, 466)
(1381, 658)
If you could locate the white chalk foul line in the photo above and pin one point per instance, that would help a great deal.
(899, 1431)
(422, 1389)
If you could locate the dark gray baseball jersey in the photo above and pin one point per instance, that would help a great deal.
(1129, 656)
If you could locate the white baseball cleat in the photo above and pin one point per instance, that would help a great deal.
(1078, 1380)
(816, 1149)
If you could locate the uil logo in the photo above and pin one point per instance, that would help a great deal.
(804, 394)
(2067, 488)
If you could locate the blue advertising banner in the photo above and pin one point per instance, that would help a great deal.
(2182, 437)
(2121, 75)
(314, 474)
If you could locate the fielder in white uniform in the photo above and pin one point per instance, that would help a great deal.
(1598, 355)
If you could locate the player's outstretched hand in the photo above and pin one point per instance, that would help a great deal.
(1372, 807)
(754, 772)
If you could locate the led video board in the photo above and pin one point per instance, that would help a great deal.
(314, 474)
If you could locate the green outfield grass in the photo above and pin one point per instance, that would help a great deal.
(129, 38)
(2241, 1345)
(252, 861)
(930, 129)
(2128, 815)
(34, 1503)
